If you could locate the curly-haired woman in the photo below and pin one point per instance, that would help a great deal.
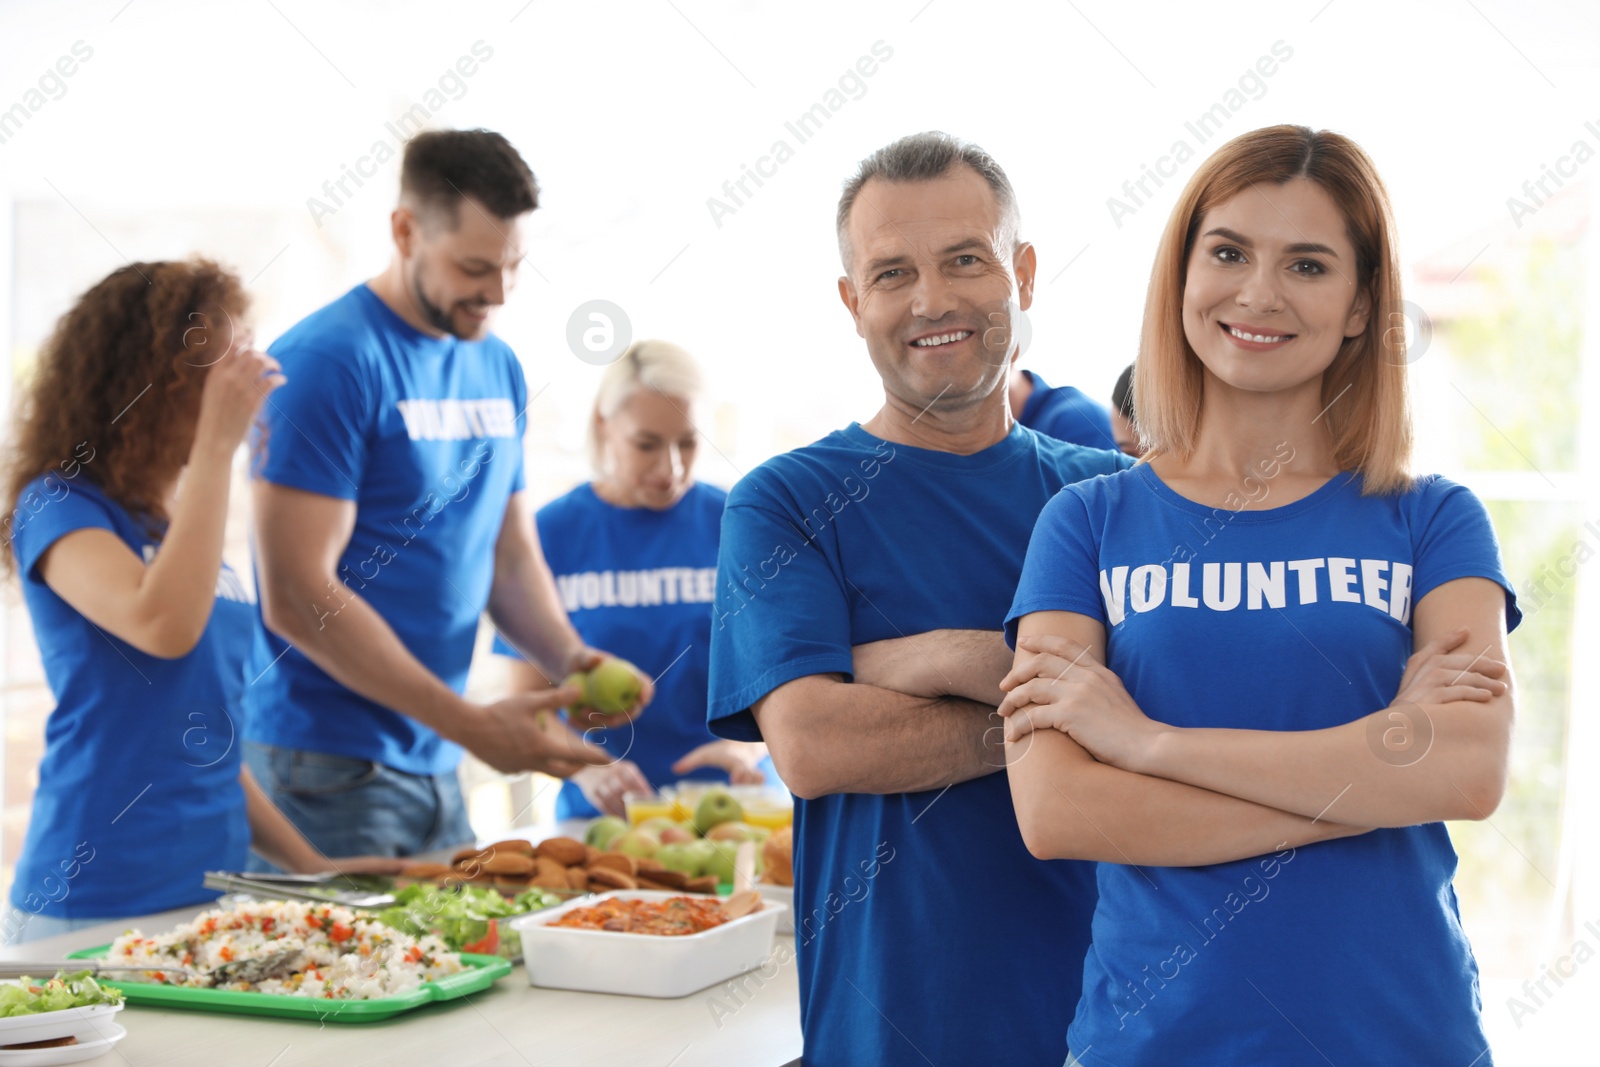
(142, 627)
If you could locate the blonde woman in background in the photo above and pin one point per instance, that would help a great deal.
(634, 554)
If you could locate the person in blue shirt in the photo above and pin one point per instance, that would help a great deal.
(861, 587)
(390, 516)
(1122, 427)
(118, 480)
(1064, 412)
(1256, 673)
(634, 554)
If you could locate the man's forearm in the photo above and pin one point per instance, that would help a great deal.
(838, 737)
(359, 650)
(526, 609)
(959, 663)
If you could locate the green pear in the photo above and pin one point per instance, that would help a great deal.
(716, 807)
(611, 688)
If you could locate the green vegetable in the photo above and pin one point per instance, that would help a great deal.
(76, 990)
(460, 915)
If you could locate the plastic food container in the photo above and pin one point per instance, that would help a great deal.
(91, 1024)
(641, 965)
(780, 894)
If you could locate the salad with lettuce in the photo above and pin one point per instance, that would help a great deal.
(465, 917)
(75, 990)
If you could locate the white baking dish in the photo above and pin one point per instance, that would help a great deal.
(641, 965)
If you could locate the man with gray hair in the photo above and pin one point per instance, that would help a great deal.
(862, 584)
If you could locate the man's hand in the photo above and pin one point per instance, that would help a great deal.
(607, 787)
(524, 733)
(741, 759)
(1437, 673)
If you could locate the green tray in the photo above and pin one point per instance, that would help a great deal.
(481, 973)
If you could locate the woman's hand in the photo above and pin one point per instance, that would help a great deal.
(606, 786)
(739, 758)
(1438, 674)
(236, 386)
(1057, 685)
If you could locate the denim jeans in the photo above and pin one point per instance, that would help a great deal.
(356, 807)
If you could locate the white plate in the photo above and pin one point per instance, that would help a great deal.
(780, 894)
(47, 1025)
(93, 1041)
(642, 965)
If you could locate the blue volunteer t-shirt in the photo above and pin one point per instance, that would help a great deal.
(1290, 618)
(139, 790)
(1067, 414)
(639, 584)
(925, 930)
(424, 434)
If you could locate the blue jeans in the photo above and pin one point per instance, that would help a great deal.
(357, 807)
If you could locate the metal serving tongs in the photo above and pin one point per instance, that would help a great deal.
(248, 970)
(312, 887)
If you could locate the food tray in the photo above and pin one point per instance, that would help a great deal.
(642, 965)
(481, 973)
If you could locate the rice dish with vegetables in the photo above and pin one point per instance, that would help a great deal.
(334, 953)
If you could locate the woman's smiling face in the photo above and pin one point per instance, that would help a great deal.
(1271, 291)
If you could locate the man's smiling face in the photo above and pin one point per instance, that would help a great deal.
(934, 282)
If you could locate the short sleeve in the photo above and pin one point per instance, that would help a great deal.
(1060, 570)
(1455, 539)
(519, 396)
(47, 510)
(312, 433)
(780, 613)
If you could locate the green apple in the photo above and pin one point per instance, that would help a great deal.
(721, 860)
(701, 852)
(681, 857)
(611, 688)
(716, 807)
(658, 825)
(640, 844)
(677, 834)
(602, 830)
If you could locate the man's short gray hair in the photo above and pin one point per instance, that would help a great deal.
(923, 157)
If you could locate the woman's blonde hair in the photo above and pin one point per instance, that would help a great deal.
(1365, 392)
(660, 366)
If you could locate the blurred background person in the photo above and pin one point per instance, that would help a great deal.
(634, 553)
(118, 479)
(1122, 429)
(1063, 412)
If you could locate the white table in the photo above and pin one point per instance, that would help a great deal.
(511, 1023)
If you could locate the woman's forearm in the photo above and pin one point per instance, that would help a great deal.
(272, 836)
(179, 585)
(1071, 807)
(1396, 767)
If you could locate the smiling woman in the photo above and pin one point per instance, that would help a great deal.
(1148, 730)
